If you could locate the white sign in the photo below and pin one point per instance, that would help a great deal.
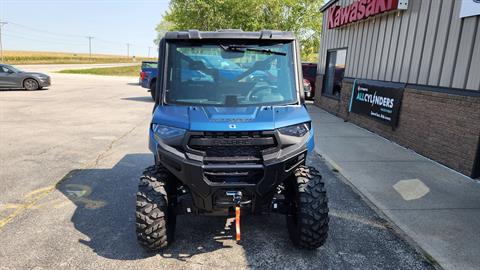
(469, 8)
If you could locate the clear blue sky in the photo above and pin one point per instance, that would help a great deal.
(66, 23)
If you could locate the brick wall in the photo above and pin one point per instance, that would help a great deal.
(441, 126)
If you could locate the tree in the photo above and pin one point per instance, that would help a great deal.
(303, 17)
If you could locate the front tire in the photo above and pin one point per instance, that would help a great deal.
(307, 220)
(153, 87)
(30, 84)
(155, 218)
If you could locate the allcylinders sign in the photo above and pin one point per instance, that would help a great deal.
(361, 10)
(379, 100)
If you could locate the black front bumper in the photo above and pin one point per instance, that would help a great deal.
(256, 180)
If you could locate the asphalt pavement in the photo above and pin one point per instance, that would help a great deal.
(71, 156)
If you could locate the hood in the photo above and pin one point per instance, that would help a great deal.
(35, 74)
(210, 118)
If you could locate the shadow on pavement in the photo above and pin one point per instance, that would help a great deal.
(358, 238)
(142, 98)
(21, 89)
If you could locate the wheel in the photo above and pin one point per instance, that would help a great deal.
(307, 220)
(155, 218)
(30, 84)
(153, 86)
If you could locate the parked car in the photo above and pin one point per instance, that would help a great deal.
(310, 73)
(11, 77)
(226, 147)
(307, 89)
(148, 76)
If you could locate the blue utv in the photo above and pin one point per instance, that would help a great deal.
(230, 134)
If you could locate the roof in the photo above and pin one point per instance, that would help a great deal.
(327, 5)
(229, 34)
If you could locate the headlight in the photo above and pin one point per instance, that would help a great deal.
(295, 130)
(166, 132)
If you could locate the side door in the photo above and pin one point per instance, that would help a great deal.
(8, 78)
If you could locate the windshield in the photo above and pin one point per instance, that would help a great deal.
(230, 74)
(149, 64)
(13, 69)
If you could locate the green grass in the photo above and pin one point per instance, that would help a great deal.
(111, 71)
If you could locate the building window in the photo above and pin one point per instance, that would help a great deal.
(335, 70)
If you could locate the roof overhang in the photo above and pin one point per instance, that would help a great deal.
(327, 5)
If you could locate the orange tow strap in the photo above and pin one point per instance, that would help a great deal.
(237, 222)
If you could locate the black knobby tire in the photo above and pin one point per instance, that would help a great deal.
(155, 219)
(30, 84)
(153, 86)
(307, 220)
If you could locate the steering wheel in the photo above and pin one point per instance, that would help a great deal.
(253, 94)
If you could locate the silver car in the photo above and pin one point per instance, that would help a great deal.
(11, 77)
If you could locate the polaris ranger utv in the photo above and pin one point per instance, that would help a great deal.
(230, 134)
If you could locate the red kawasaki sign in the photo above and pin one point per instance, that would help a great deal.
(358, 10)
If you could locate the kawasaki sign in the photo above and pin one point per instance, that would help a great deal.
(379, 100)
(361, 10)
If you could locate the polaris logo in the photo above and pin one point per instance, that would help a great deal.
(226, 142)
(232, 126)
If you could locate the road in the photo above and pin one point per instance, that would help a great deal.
(71, 156)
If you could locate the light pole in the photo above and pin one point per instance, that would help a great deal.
(90, 46)
(1, 44)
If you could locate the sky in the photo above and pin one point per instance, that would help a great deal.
(63, 25)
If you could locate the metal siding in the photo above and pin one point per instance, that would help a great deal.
(353, 53)
(351, 44)
(392, 51)
(358, 50)
(321, 50)
(419, 41)
(429, 46)
(465, 51)
(363, 48)
(473, 81)
(452, 46)
(368, 46)
(415, 10)
(441, 42)
(373, 48)
(386, 47)
(379, 51)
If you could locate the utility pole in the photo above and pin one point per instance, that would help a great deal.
(1, 44)
(128, 49)
(90, 46)
(149, 47)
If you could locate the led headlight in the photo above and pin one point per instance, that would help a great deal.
(166, 132)
(295, 130)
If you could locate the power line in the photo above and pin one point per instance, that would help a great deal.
(41, 40)
(62, 38)
(43, 31)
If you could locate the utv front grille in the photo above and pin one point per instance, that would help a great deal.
(232, 147)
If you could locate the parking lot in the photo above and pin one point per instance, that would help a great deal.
(70, 158)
